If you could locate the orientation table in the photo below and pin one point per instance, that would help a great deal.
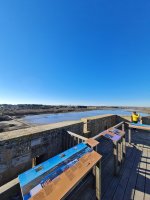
(139, 126)
(55, 178)
(119, 145)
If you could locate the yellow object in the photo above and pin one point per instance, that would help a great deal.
(135, 118)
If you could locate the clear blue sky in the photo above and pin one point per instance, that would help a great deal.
(92, 52)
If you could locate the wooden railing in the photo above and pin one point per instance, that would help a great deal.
(121, 124)
(71, 139)
(78, 137)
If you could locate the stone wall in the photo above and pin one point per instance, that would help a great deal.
(96, 124)
(123, 118)
(146, 120)
(18, 148)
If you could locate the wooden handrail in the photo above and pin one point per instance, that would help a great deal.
(96, 136)
(77, 136)
(116, 126)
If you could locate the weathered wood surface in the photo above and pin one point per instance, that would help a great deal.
(60, 188)
(133, 181)
(113, 185)
(147, 173)
(138, 136)
(77, 136)
(146, 127)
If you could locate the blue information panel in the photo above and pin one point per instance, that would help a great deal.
(113, 134)
(33, 180)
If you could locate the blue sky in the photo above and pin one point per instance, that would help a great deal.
(92, 52)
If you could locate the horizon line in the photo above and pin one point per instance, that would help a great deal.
(73, 105)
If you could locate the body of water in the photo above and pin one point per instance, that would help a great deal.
(71, 116)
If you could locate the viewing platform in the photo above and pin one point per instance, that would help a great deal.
(124, 170)
(133, 180)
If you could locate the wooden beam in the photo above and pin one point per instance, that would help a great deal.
(98, 180)
(129, 135)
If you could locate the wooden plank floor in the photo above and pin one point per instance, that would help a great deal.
(133, 181)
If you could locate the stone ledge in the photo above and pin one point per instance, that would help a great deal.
(33, 130)
(97, 117)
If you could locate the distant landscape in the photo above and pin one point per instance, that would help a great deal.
(12, 116)
(26, 109)
(20, 110)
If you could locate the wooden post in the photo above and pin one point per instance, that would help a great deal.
(123, 127)
(33, 162)
(72, 141)
(124, 147)
(121, 151)
(129, 135)
(95, 148)
(78, 140)
(94, 171)
(98, 180)
(115, 158)
(68, 142)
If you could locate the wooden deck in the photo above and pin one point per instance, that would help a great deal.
(133, 181)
